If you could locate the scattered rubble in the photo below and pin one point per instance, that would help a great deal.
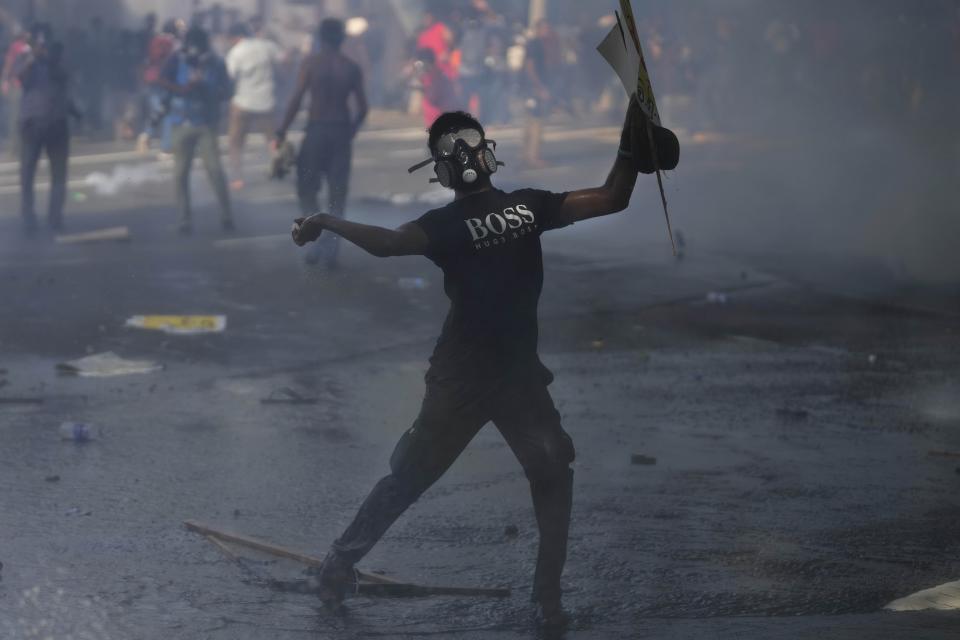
(179, 325)
(106, 365)
(110, 234)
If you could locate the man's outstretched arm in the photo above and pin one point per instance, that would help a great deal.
(406, 240)
(614, 194)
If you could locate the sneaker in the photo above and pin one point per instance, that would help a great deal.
(332, 581)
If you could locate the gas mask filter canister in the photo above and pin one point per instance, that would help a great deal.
(460, 157)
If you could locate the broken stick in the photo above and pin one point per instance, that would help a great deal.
(273, 549)
(375, 584)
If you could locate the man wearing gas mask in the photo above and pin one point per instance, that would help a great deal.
(198, 83)
(485, 365)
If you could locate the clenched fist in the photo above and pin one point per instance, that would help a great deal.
(306, 229)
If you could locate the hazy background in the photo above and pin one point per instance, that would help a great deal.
(830, 126)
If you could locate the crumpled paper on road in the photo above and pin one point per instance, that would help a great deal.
(107, 364)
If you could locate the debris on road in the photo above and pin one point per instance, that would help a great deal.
(180, 325)
(793, 414)
(716, 297)
(286, 395)
(413, 284)
(638, 458)
(106, 365)
(872, 359)
(109, 234)
(945, 597)
(511, 531)
(76, 511)
(53, 478)
(368, 583)
(77, 432)
(597, 344)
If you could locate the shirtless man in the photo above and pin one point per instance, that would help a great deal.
(485, 366)
(330, 78)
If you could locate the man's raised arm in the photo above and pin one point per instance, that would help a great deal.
(406, 240)
(615, 193)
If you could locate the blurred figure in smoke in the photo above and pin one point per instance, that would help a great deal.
(198, 80)
(96, 61)
(330, 78)
(485, 366)
(541, 70)
(44, 126)
(146, 34)
(438, 37)
(479, 28)
(440, 93)
(250, 63)
(375, 42)
(11, 89)
(155, 98)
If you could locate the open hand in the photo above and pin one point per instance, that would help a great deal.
(306, 230)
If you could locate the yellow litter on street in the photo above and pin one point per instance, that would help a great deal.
(181, 325)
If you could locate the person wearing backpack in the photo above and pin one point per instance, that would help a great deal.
(198, 81)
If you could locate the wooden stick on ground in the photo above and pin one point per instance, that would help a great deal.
(220, 544)
(274, 550)
(375, 584)
(414, 590)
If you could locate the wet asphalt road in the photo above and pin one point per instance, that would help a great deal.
(793, 493)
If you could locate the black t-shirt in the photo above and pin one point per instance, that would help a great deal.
(488, 246)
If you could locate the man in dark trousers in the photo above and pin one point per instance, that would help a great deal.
(44, 127)
(485, 365)
(197, 79)
(331, 78)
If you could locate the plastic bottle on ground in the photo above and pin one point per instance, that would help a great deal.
(78, 432)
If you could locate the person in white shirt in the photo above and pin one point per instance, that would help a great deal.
(250, 63)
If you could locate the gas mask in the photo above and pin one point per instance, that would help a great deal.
(460, 157)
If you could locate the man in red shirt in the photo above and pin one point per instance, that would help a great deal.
(437, 37)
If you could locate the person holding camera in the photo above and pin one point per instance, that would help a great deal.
(198, 82)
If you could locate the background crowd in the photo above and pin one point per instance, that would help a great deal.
(713, 65)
